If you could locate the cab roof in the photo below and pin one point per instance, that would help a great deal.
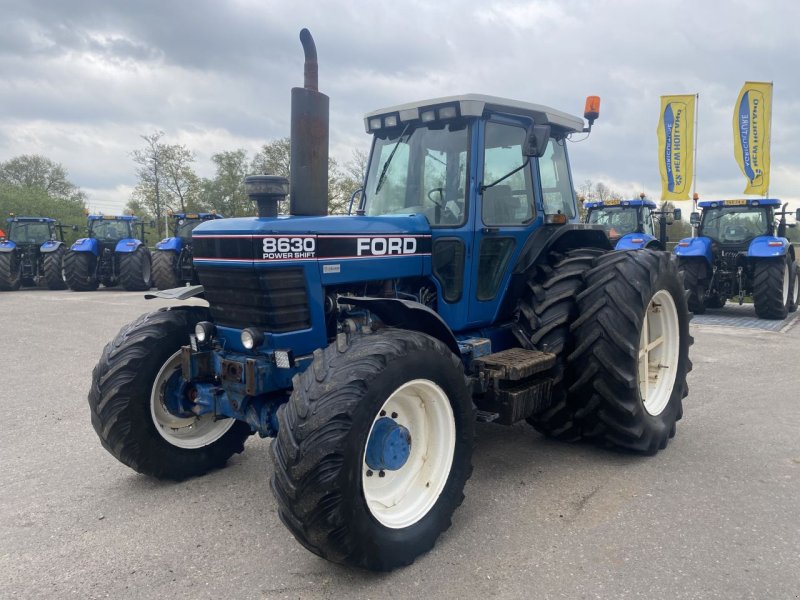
(30, 220)
(603, 204)
(113, 218)
(475, 105)
(740, 202)
(197, 215)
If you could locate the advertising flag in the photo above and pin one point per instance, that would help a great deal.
(676, 146)
(752, 121)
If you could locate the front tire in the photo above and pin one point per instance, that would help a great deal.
(331, 494)
(54, 270)
(632, 350)
(165, 269)
(794, 287)
(79, 270)
(9, 271)
(771, 281)
(127, 400)
(135, 270)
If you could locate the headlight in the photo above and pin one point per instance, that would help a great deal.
(252, 338)
(204, 331)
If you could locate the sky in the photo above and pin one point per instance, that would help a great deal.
(81, 81)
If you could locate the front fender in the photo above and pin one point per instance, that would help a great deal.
(172, 243)
(127, 246)
(405, 314)
(7, 246)
(50, 246)
(768, 246)
(635, 241)
(86, 245)
(699, 246)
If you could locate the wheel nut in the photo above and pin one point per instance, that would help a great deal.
(381, 474)
(394, 415)
(369, 473)
(383, 413)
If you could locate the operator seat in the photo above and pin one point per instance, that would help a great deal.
(500, 206)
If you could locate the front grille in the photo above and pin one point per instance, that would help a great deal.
(272, 299)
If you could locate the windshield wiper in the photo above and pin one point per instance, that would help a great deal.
(382, 176)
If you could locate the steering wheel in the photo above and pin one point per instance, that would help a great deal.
(441, 196)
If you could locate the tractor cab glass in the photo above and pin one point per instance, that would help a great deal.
(735, 224)
(420, 170)
(184, 227)
(22, 232)
(557, 193)
(617, 220)
(110, 230)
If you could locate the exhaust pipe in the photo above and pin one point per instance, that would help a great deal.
(309, 139)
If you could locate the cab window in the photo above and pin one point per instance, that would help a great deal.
(557, 193)
(509, 202)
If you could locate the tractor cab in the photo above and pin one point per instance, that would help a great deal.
(31, 252)
(184, 223)
(734, 223)
(632, 224)
(33, 231)
(109, 230)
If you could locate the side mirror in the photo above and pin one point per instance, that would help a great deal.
(677, 214)
(694, 219)
(536, 139)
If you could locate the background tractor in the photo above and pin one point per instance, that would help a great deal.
(31, 253)
(172, 259)
(632, 224)
(368, 345)
(740, 251)
(111, 255)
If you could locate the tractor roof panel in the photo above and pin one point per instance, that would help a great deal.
(740, 202)
(30, 220)
(113, 218)
(202, 215)
(606, 203)
(469, 105)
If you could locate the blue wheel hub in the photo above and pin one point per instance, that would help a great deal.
(389, 445)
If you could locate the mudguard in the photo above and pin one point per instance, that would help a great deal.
(181, 293)
(127, 246)
(635, 241)
(50, 246)
(172, 243)
(768, 246)
(7, 246)
(86, 245)
(699, 246)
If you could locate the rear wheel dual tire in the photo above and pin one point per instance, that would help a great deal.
(54, 269)
(695, 282)
(771, 286)
(165, 269)
(328, 495)
(135, 273)
(10, 279)
(79, 270)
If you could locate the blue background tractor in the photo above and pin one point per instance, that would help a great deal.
(740, 251)
(31, 253)
(111, 255)
(172, 259)
(632, 224)
(367, 345)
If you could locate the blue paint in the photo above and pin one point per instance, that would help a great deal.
(639, 202)
(389, 445)
(634, 241)
(760, 247)
(127, 246)
(172, 243)
(86, 245)
(7, 246)
(749, 202)
(50, 246)
(699, 246)
(669, 124)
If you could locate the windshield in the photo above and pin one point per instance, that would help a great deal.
(420, 170)
(184, 227)
(110, 230)
(29, 233)
(618, 220)
(731, 224)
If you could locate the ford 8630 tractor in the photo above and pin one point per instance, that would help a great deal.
(31, 253)
(172, 259)
(740, 251)
(632, 224)
(368, 345)
(111, 255)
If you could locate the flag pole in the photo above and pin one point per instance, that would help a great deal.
(696, 119)
(769, 137)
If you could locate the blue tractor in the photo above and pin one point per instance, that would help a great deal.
(740, 250)
(632, 224)
(172, 259)
(111, 254)
(31, 253)
(368, 345)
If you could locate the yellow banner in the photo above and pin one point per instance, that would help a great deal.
(752, 119)
(676, 146)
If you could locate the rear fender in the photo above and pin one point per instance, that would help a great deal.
(7, 246)
(127, 246)
(172, 243)
(51, 246)
(769, 246)
(636, 241)
(86, 245)
(699, 246)
(405, 314)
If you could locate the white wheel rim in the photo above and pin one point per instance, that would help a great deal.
(796, 291)
(785, 284)
(659, 348)
(401, 498)
(188, 433)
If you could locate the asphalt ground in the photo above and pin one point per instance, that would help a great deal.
(715, 515)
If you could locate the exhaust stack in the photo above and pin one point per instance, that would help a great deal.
(309, 139)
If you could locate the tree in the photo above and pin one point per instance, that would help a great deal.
(274, 158)
(180, 180)
(225, 191)
(36, 171)
(346, 180)
(151, 174)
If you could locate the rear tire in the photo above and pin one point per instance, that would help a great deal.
(79, 270)
(330, 499)
(717, 301)
(54, 269)
(545, 311)
(771, 282)
(165, 269)
(631, 350)
(127, 402)
(9, 271)
(794, 288)
(135, 271)
(695, 282)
